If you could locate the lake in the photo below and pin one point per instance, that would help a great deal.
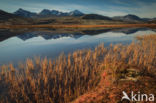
(17, 46)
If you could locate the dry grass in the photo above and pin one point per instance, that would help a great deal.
(64, 79)
(119, 62)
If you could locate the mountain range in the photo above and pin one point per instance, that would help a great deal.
(22, 16)
(46, 12)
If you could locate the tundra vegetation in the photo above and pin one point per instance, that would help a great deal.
(86, 76)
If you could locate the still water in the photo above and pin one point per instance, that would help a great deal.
(46, 44)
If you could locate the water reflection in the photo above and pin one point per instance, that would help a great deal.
(17, 45)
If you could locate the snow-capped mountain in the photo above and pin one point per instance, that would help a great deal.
(25, 13)
(59, 13)
(47, 12)
(76, 13)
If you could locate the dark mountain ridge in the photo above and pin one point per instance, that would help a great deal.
(9, 18)
(46, 16)
(96, 16)
(24, 13)
(4, 15)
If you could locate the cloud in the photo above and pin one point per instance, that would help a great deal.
(147, 10)
(141, 8)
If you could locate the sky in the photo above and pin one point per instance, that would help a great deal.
(142, 8)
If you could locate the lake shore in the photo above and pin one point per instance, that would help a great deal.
(77, 26)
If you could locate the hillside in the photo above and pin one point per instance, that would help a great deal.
(5, 16)
(95, 17)
(10, 19)
(24, 13)
(129, 18)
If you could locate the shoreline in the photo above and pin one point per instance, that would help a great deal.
(77, 26)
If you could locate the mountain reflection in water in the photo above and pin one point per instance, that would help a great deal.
(17, 45)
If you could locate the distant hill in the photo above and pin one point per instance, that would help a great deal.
(24, 13)
(129, 18)
(153, 20)
(95, 17)
(5, 16)
(8, 18)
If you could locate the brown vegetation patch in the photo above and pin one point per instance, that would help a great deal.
(77, 26)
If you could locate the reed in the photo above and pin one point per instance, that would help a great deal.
(64, 79)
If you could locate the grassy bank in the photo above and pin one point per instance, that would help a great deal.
(67, 78)
(77, 26)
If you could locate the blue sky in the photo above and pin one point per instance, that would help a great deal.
(142, 8)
